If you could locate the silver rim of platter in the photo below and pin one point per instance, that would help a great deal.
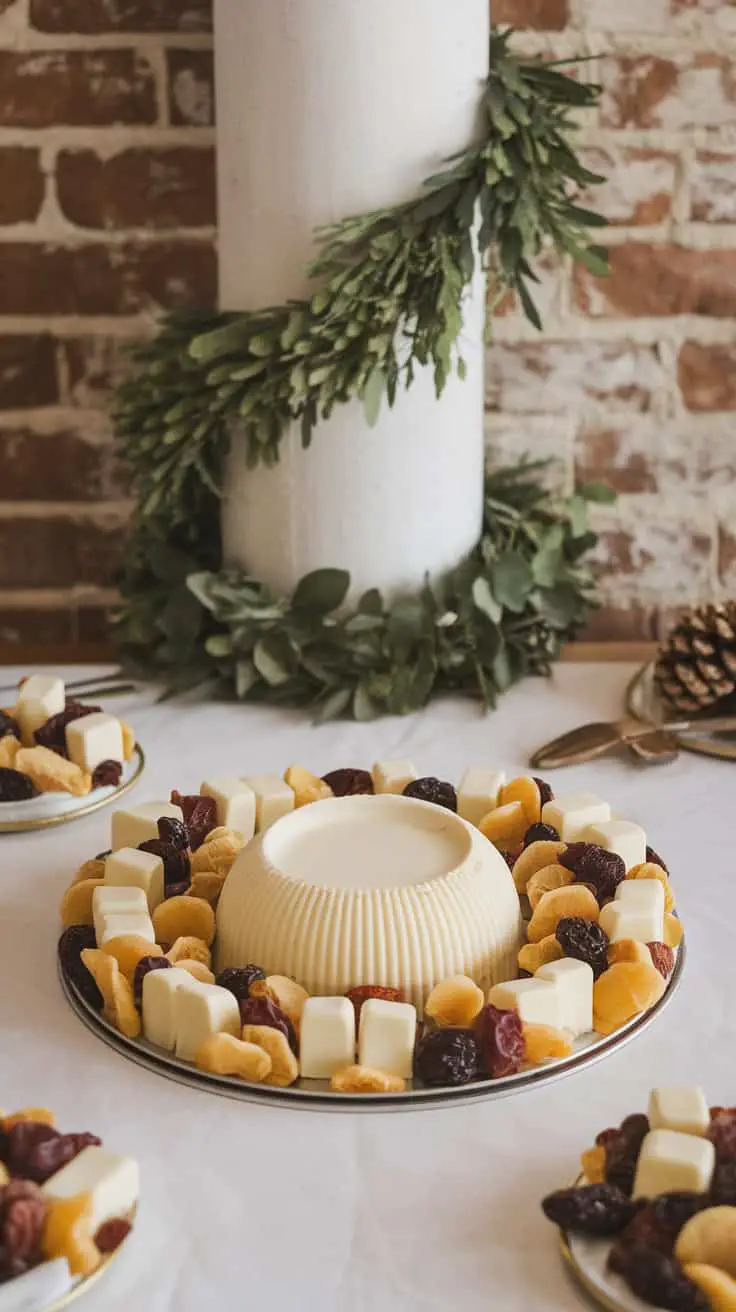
(315, 1095)
(644, 703)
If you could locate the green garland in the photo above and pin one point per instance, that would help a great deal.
(388, 299)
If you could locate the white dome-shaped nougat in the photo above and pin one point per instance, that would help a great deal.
(381, 890)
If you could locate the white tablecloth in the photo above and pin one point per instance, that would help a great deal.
(246, 1206)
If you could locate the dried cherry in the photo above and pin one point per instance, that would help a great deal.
(362, 992)
(656, 860)
(177, 890)
(723, 1185)
(500, 1041)
(52, 734)
(545, 791)
(722, 1132)
(144, 967)
(600, 1210)
(263, 1011)
(22, 1214)
(200, 815)
(447, 1057)
(349, 782)
(34, 1154)
(8, 726)
(174, 832)
(177, 866)
(111, 1235)
(622, 1152)
(15, 787)
(107, 774)
(540, 833)
(663, 958)
(584, 941)
(593, 865)
(658, 1223)
(659, 1279)
(434, 790)
(239, 980)
(72, 943)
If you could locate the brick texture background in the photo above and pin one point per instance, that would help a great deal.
(107, 215)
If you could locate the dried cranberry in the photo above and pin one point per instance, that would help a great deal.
(584, 941)
(111, 1235)
(262, 1011)
(545, 791)
(144, 967)
(107, 774)
(52, 734)
(500, 1041)
(622, 1152)
(174, 832)
(8, 726)
(447, 1057)
(362, 992)
(593, 865)
(723, 1185)
(239, 979)
(599, 1210)
(15, 787)
(656, 859)
(662, 957)
(72, 943)
(434, 790)
(659, 1279)
(177, 866)
(722, 1132)
(540, 833)
(200, 815)
(349, 783)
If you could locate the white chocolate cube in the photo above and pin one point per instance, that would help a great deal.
(159, 1019)
(392, 776)
(113, 1182)
(236, 804)
(626, 839)
(671, 1163)
(537, 1001)
(387, 1035)
(274, 798)
(115, 924)
(43, 1286)
(573, 981)
(131, 868)
(94, 739)
(40, 697)
(326, 1037)
(139, 824)
(572, 815)
(111, 899)
(682, 1109)
(637, 912)
(201, 1012)
(477, 793)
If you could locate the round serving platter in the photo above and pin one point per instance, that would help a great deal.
(59, 808)
(315, 1095)
(644, 703)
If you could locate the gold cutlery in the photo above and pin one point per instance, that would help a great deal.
(589, 741)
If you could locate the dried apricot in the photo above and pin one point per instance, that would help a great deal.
(622, 992)
(184, 917)
(128, 741)
(197, 970)
(117, 993)
(284, 1065)
(545, 1043)
(628, 949)
(207, 885)
(9, 748)
(524, 789)
(67, 1233)
(128, 950)
(37, 1115)
(222, 1054)
(76, 904)
(718, 1287)
(709, 1237)
(534, 955)
(455, 1001)
(505, 826)
(189, 949)
(535, 857)
(593, 1164)
(289, 996)
(218, 851)
(548, 877)
(52, 773)
(93, 869)
(307, 787)
(648, 870)
(572, 900)
(363, 1079)
(673, 930)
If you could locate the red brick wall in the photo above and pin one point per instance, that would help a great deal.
(107, 214)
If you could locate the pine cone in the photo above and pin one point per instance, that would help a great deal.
(696, 666)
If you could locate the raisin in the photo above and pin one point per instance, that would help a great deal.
(200, 816)
(348, 782)
(238, 980)
(177, 866)
(177, 890)
(52, 734)
(362, 992)
(540, 833)
(70, 947)
(663, 958)
(8, 726)
(600, 1210)
(434, 790)
(593, 865)
(659, 1279)
(111, 1235)
(656, 859)
(174, 832)
(447, 1057)
(107, 774)
(584, 941)
(722, 1132)
(144, 967)
(15, 787)
(262, 1011)
(545, 791)
(500, 1041)
(659, 1222)
(622, 1152)
(723, 1185)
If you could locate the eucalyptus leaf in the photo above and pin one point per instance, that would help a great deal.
(512, 580)
(484, 599)
(322, 591)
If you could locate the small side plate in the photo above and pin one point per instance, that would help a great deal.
(587, 1260)
(643, 702)
(59, 808)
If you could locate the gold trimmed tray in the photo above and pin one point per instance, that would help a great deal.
(59, 808)
(643, 702)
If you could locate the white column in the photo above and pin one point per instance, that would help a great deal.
(328, 108)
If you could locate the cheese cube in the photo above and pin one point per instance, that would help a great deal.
(109, 899)
(670, 1162)
(637, 912)
(94, 739)
(236, 804)
(40, 697)
(43, 1286)
(574, 983)
(326, 1037)
(477, 793)
(115, 924)
(274, 799)
(112, 1181)
(131, 868)
(572, 815)
(199, 1013)
(627, 840)
(159, 1020)
(139, 824)
(392, 776)
(538, 1002)
(683, 1109)
(387, 1035)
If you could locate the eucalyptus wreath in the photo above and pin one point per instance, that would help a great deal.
(388, 292)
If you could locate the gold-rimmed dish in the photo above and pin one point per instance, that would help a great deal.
(644, 703)
(50, 809)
